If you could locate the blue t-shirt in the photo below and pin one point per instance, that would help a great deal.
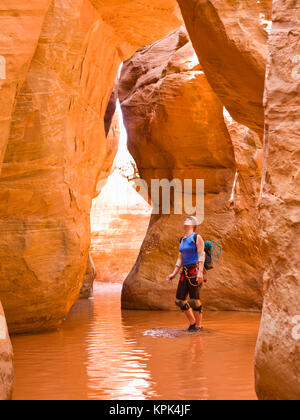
(188, 249)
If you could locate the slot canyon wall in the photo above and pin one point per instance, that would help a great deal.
(176, 129)
(6, 360)
(278, 346)
(59, 87)
(61, 59)
(20, 30)
(112, 130)
(230, 38)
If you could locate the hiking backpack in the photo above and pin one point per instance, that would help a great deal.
(213, 251)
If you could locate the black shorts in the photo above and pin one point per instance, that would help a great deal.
(186, 289)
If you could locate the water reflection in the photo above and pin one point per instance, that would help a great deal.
(115, 365)
(215, 364)
(102, 352)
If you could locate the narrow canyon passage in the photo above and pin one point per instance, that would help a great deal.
(119, 215)
(103, 352)
(205, 90)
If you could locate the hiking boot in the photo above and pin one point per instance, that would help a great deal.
(192, 328)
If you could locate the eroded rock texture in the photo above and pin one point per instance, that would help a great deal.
(6, 360)
(278, 347)
(20, 24)
(230, 38)
(140, 22)
(56, 151)
(176, 130)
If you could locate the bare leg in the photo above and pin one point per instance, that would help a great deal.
(190, 316)
(199, 318)
(198, 315)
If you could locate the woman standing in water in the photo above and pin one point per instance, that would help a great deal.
(191, 258)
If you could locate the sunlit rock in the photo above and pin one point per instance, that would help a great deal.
(20, 24)
(278, 347)
(140, 22)
(230, 38)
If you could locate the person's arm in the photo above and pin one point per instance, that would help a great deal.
(177, 268)
(201, 257)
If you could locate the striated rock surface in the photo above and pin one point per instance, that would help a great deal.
(140, 22)
(57, 151)
(6, 360)
(20, 24)
(230, 38)
(177, 130)
(278, 347)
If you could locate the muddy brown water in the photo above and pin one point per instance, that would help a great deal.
(102, 352)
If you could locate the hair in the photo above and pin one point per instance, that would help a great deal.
(194, 222)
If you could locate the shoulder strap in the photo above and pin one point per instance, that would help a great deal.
(195, 237)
